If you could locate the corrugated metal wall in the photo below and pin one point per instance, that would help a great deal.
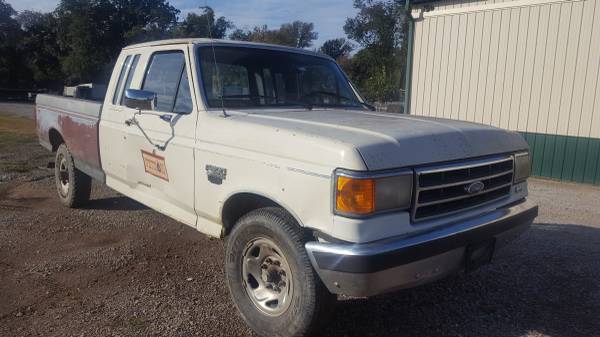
(531, 66)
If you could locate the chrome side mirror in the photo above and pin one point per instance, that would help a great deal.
(140, 99)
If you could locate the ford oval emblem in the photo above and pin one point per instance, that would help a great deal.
(474, 187)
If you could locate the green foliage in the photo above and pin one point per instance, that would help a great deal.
(377, 75)
(198, 26)
(380, 24)
(241, 35)
(41, 53)
(380, 27)
(83, 25)
(11, 71)
(79, 41)
(337, 48)
(296, 34)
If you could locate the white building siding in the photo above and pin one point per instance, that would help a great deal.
(532, 66)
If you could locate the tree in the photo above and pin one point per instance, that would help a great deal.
(138, 21)
(241, 35)
(12, 72)
(8, 24)
(41, 52)
(380, 27)
(84, 38)
(376, 75)
(198, 25)
(84, 25)
(337, 48)
(296, 34)
(379, 24)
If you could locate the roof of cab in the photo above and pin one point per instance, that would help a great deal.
(167, 42)
(218, 42)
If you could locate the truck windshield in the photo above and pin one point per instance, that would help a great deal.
(244, 77)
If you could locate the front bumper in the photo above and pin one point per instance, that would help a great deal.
(411, 260)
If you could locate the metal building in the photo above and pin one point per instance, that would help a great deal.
(531, 66)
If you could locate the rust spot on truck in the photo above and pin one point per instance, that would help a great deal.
(80, 132)
(81, 135)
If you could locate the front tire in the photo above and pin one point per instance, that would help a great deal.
(73, 186)
(270, 277)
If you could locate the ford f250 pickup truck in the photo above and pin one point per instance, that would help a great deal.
(275, 150)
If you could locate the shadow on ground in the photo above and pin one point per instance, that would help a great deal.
(115, 204)
(545, 283)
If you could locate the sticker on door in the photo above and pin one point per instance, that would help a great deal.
(155, 165)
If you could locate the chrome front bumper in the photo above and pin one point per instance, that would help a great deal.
(411, 260)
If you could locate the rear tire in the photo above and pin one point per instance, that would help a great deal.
(269, 243)
(73, 186)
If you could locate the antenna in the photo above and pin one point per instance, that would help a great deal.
(212, 44)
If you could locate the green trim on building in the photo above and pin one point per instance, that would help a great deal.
(565, 157)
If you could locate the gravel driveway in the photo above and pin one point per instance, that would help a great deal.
(117, 268)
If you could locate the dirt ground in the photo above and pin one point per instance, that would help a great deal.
(117, 268)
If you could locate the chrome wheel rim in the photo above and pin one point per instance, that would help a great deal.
(266, 277)
(63, 176)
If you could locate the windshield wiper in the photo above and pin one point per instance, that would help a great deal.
(327, 93)
(340, 97)
(304, 105)
(246, 96)
(368, 106)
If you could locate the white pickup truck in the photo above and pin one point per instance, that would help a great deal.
(273, 149)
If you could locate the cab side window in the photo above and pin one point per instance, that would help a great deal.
(167, 77)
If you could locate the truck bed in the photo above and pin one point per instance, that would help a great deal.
(75, 122)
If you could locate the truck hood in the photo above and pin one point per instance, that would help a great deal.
(386, 140)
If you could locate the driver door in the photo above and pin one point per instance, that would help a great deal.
(159, 145)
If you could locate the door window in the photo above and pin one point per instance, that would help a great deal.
(120, 81)
(183, 101)
(130, 74)
(167, 77)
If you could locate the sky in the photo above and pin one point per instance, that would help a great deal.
(328, 16)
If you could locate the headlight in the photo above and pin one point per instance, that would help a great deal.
(361, 194)
(522, 167)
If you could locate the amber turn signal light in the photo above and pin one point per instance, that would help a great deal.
(355, 196)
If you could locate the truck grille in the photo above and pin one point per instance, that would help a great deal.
(452, 188)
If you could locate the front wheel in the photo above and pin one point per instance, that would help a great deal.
(270, 277)
(73, 186)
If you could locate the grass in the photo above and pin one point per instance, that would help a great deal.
(15, 167)
(10, 138)
(16, 124)
(16, 130)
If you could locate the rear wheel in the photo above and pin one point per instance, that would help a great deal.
(73, 186)
(270, 277)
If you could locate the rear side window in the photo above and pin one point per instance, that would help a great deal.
(166, 76)
(130, 74)
(120, 81)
